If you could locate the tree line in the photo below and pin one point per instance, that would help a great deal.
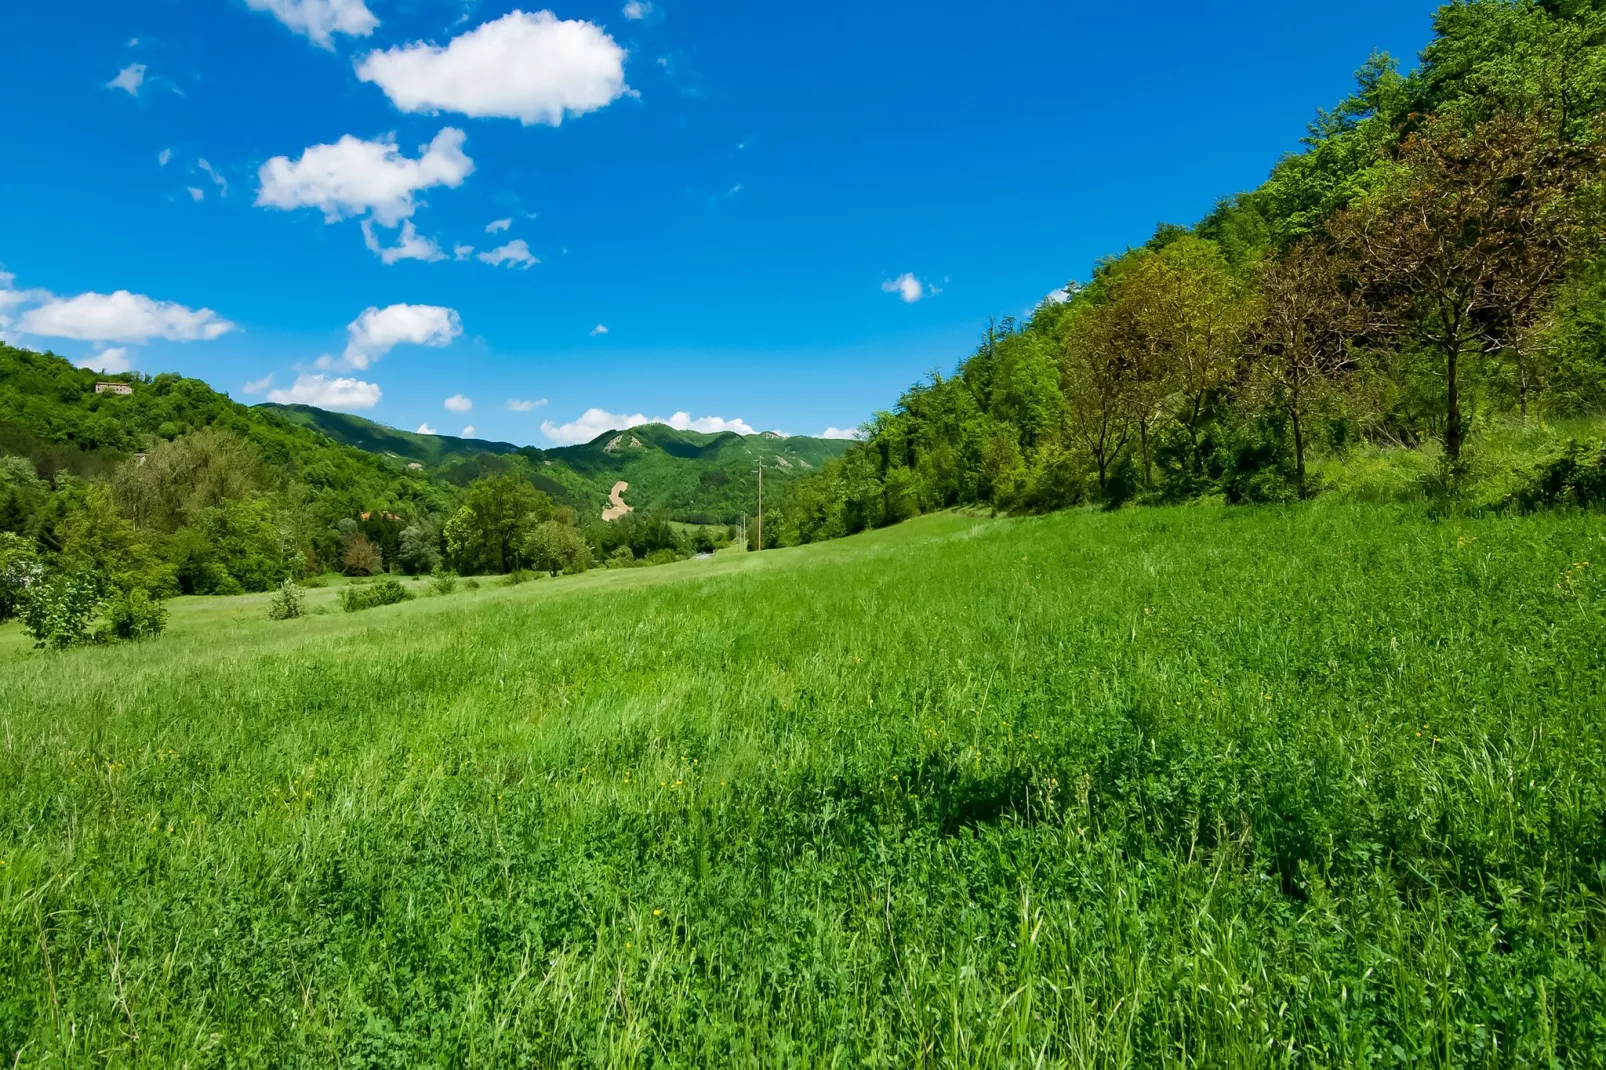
(1429, 265)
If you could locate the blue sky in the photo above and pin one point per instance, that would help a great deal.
(781, 215)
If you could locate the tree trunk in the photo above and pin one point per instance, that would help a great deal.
(1148, 466)
(1299, 450)
(1452, 415)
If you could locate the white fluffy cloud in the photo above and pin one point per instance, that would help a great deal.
(458, 403)
(848, 433)
(909, 288)
(112, 361)
(379, 330)
(637, 10)
(515, 253)
(409, 245)
(460, 251)
(354, 177)
(595, 422)
(516, 405)
(320, 19)
(343, 395)
(257, 386)
(599, 329)
(425, 429)
(533, 68)
(129, 79)
(497, 226)
(468, 432)
(122, 317)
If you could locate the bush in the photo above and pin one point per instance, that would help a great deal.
(471, 584)
(289, 602)
(19, 571)
(360, 555)
(135, 615)
(444, 582)
(1577, 477)
(518, 576)
(57, 612)
(386, 592)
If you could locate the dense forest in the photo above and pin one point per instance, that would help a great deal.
(1430, 266)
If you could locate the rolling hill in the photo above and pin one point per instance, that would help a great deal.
(687, 475)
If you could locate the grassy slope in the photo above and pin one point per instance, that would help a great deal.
(1223, 786)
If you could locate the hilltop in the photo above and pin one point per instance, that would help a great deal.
(686, 475)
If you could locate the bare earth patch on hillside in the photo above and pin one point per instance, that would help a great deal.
(618, 508)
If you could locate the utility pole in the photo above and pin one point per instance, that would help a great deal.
(761, 504)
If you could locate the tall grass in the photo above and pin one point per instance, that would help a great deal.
(1189, 786)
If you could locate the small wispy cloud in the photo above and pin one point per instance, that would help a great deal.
(517, 405)
(129, 79)
(217, 179)
(909, 288)
(515, 253)
(599, 329)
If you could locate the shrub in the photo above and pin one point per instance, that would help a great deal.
(518, 576)
(1577, 477)
(444, 582)
(135, 615)
(289, 602)
(471, 584)
(386, 592)
(19, 570)
(360, 555)
(57, 612)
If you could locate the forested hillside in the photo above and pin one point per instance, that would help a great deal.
(1428, 269)
(685, 475)
(172, 488)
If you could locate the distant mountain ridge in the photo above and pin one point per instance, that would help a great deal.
(687, 475)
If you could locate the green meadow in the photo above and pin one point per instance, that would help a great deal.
(1303, 786)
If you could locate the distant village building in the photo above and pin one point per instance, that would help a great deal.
(113, 388)
(415, 467)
